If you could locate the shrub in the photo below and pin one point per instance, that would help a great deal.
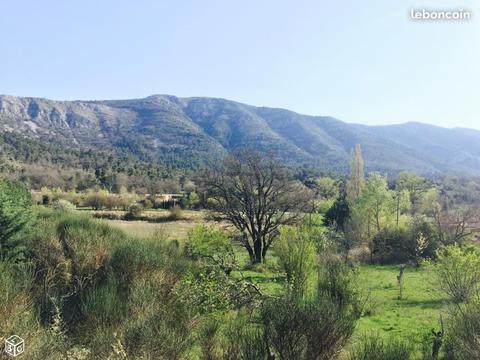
(17, 315)
(208, 341)
(175, 213)
(338, 214)
(373, 347)
(211, 245)
(159, 325)
(166, 332)
(463, 329)
(134, 258)
(84, 250)
(244, 341)
(96, 200)
(404, 244)
(315, 328)
(296, 253)
(146, 203)
(63, 206)
(134, 212)
(45, 199)
(105, 305)
(16, 219)
(210, 290)
(457, 270)
(335, 281)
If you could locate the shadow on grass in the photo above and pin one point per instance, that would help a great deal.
(262, 279)
(424, 304)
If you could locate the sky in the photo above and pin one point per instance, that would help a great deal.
(359, 61)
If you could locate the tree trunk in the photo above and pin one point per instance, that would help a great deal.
(257, 247)
(251, 254)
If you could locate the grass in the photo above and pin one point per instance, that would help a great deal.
(416, 314)
(177, 230)
(173, 230)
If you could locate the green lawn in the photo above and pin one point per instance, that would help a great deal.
(417, 313)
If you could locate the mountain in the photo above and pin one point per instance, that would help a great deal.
(189, 132)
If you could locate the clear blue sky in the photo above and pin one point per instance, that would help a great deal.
(361, 61)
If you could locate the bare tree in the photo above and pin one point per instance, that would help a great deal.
(256, 195)
(454, 225)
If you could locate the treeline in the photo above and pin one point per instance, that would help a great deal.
(402, 221)
(39, 163)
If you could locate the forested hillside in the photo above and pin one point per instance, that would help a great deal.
(158, 135)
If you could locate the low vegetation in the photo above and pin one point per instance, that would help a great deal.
(267, 269)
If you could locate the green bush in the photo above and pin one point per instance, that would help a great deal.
(297, 256)
(315, 328)
(408, 244)
(134, 212)
(336, 281)
(175, 213)
(75, 259)
(18, 316)
(211, 245)
(158, 324)
(373, 347)
(16, 219)
(105, 305)
(457, 270)
(64, 206)
(243, 340)
(463, 330)
(134, 258)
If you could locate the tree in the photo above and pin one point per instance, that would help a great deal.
(337, 215)
(415, 186)
(356, 179)
(373, 208)
(453, 226)
(326, 187)
(15, 218)
(376, 201)
(257, 196)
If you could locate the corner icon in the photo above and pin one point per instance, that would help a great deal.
(14, 345)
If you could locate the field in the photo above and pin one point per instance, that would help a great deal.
(416, 314)
(413, 316)
(173, 230)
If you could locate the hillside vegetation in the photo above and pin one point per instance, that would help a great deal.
(147, 138)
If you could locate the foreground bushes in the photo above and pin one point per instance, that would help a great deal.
(374, 347)
(463, 332)
(18, 317)
(16, 219)
(457, 270)
(90, 291)
(307, 329)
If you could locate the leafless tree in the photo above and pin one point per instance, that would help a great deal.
(256, 195)
(454, 225)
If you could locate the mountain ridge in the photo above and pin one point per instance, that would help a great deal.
(195, 130)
